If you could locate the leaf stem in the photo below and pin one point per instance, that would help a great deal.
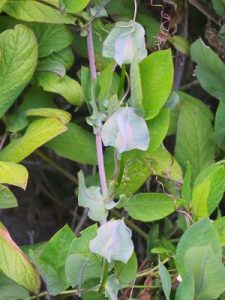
(104, 277)
(135, 10)
(52, 163)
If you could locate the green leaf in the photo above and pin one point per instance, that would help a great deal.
(208, 190)
(219, 134)
(200, 234)
(148, 207)
(157, 81)
(124, 42)
(165, 279)
(208, 272)
(51, 260)
(38, 133)
(11, 290)
(7, 198)
(135, 87)
(67, 87)
(74, 6)
(126, 273)
(34, 11)
(219, 225)
(158, 128)
(76, 144)
(186, 289)
(187, 187)
(81, 264)
(15, 264)
(18, 59)
(2, 4)
(210, 69)
(14, 174)
(219, 7)
(125, 131)
(193, 144)
(52, 38)
(180, 43)
(113, 241)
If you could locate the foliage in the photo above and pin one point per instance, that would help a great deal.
(85, 81)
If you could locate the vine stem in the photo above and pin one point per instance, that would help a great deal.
(99, 148)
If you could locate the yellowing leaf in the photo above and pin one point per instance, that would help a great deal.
(15, 264)
(38, 133)
(14, 174)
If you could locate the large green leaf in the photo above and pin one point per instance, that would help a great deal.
(73, 6)
(219, 134)
(51, 38)
(34, 11)
(126, 273)
(210, 69)
(157, 80)
(186, 289)
(67, 87)
(14, 174)
(201, 233)
(15, 264)
(18, 59)
(7, 199)
(2, 4)
(81, 264)
(219, 225)
(208, 190)
(38, 133)
(148, 207)
(208, 272)
(11, 290)
(51, 260)
(193, 144)
(76, 144)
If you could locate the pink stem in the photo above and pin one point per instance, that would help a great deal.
(101, 167)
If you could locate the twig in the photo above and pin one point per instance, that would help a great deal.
(205, 11)
(56, 166)
(150, 271)
(3, 139)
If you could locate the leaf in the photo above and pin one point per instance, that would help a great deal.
(219, 7)
(157, 81)
(52, 38)
(113, 241)
(74, 6)
(165, 279)
(219, 225)
(125, 131)
(193, 144)
(208, 190)
(180, 43)
(11, 290)
(124, 42)
(208, 272)
(148, 207)
(67, 87)
(126, 273)
(76, 144)
(15, 264)
(38, 133)
(136, 88)
(158, 128)
(51, 260)
(186, 289)
(93, 199)
(187, 187)
(81, 264)
(34, 11)
(200, 234)
(7, 198)
(2, 4)
(18, 59)
(219, 134)
(14, 174)
(210, 69)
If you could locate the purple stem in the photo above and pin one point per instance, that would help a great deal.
(101, 167)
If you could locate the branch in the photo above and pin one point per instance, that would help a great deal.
(205, 11)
